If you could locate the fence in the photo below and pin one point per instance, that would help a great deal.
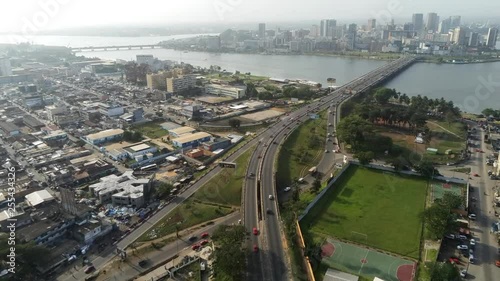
(302, 245)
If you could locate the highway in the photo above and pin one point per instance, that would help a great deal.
(271, 257)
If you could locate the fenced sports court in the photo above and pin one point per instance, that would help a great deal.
(366, 262)
(438, 189)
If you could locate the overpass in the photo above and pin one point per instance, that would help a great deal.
(114, 48)
(260, 211)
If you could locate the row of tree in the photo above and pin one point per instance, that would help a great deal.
(229, 256)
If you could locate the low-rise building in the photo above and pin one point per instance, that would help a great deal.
(191, 140)
(125, 190)
(177, 132)
(110, 110)
(55, 135)
(32, 123)
(216, 143)
(236, 92)
(104, 136)
(9, 129)
(140, 149)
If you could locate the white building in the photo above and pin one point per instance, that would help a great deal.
(38, 197)
(236, 92)
(110, 110)
(145, 59)
(104, 136)
(5, 67)
(140, 149)
(125, 190)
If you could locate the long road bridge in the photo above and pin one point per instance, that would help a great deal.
(114, 48)
(260, 211)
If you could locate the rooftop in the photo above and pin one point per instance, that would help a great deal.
(126, 185)
(182, 130)
(139, 147)
(191, 137)
(104, 134)
(39, 197)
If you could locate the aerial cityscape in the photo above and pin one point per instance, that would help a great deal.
(261, 140)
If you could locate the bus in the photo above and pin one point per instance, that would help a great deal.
(148, 167)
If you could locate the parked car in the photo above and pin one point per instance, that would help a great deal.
(204, 235)
(193, 238)
(463, 273)
(462, 237)
(204, 242)
(195, 247)
(472, 242)
(89, 269)
(462, 247)
(287, 189)
(454, 260)
(471, 259)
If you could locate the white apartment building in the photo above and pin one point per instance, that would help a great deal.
(236, 92)
(180, 83)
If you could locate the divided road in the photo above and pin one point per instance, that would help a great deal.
(272, 257)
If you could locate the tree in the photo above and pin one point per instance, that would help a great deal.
(316, 186)
(382, 95)
(450, 117)
(426, 168)
(438, 220)
(163, 189)
(364, 157)
(443, 271)
(235, 123)
(451, 201)
(352, 130)
(229, 257)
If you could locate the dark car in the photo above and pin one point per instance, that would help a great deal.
(143, 263)
(193, 238)
(89, 269)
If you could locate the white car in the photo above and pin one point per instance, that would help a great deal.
(462, 247)
(271, 197)
(287, 189)
(472, 242)
(463, 273)
(450, 236)
(472, 216)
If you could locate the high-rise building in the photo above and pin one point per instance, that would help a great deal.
(459, 36)
(372, 24)
(314, 31)
(432, 22)
(491, 40)
(262, 30)
(408, 26)
(455, 21)
(5, 67)
(327, 27)
(444, 26)
(473, 39)
(418, 22)
(351, 36)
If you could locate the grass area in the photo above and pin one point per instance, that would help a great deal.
(383, 206)
(188, 214)
(432, 255)
(152, 130)
(297, 156)
(424, 273)
(464, 170)
(225, 187)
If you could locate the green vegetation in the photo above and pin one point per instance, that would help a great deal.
(301, 150)
(439, 218)
(27, 255)
(225, 187)
(387, 122)
(186, 215)
(229, 255)
(183, 273)
(152, 130)
(132, 136)
(372, 203)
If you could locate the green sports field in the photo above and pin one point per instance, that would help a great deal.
(379, 209)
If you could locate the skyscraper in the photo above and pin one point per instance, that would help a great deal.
(351, 36)
(473, 39)
(491, 40)
(418, 22)
(444, 26)
(262, 30)
(372, 24)
(408, 27)
(314, 31)
(459, 36)
(327, 27)
(455, 21)
(432, 22)
(5, 67)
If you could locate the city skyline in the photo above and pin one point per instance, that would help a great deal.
(59, 14)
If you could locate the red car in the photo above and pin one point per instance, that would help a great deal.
(454, 260)
(476, 175)
(255, 231)
(204, 242)
(195, 247)
(255, 248)
(204, 235)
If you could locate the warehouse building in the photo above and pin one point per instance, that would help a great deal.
(104, 136)
(191, 140)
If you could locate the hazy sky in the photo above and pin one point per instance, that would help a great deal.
(56, 14)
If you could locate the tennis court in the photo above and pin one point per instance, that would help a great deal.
(440, 188)
(366, 262)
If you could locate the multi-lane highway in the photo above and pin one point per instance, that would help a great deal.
(260, 210)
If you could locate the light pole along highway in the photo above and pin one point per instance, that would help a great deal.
(261, 208)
